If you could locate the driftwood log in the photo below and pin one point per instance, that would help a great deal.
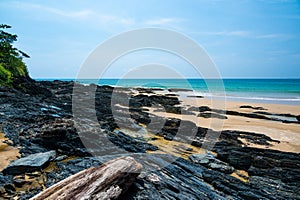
(107, 181)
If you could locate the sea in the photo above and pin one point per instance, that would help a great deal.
(276, 91)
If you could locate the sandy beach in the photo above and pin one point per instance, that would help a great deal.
(287, 133)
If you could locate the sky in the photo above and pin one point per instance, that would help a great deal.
(245, 38)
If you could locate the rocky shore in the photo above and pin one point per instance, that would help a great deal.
(37, 119)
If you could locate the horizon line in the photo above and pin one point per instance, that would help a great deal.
(74, 78)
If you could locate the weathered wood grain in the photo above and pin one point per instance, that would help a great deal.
(107, 181)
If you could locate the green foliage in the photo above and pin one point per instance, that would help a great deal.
(11, 58)
(5, 76)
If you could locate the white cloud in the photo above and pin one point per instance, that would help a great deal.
(246, 34)
(81, 14)
(162, 21)
(90, 16)
(44, 9)
(239, 33)
(266, 36)
(78, 15)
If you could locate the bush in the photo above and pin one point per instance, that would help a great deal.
(12, 66)
(5, 76)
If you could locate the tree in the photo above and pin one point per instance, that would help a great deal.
(12, 66)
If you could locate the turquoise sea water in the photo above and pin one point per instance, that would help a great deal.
(286, 91)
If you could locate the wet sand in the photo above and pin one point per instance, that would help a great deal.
(7, 152)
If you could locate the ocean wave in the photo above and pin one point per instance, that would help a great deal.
(266, 98)
(258, 98)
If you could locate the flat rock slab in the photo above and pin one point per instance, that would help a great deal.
(30, 163)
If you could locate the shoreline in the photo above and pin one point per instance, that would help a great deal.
(240, 99)
(255, 93)
(287, 133)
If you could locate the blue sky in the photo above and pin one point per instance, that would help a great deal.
(245, 38)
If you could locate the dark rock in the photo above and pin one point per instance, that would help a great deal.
(179, 90)
(183, 148)
(249, 195)
(169, 137)
(212, 115)
(10, 188)
(5, 182)
(263, 162)
(11, 133)
(255, 138)
(285, 175)
(249, 115)
(170, 182)
(196, 96)
(149, 100)
(173, 109)
(272, 186)
(60, 158)
(193, 109)
(172, 95)
(31, 148)
(204, 108)
(251, 107)
(239, 160)
(275, 114)
(30, 163)
(130, 144)
(29, 86)
(19, 182)
(256, 115)
(285, 118)
(211, 162)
